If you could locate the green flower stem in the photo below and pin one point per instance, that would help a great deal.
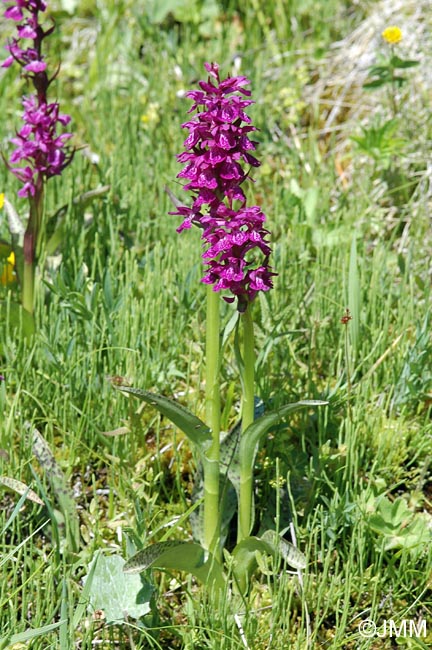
(28, 287)
(211, 460)
(31, 247)
(393, 83)
(246, 471)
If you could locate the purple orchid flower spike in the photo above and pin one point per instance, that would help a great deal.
(41, 150)
(41, 144)
(218, 160)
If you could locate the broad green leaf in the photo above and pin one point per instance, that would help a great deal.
(251, 437)
(270, 543)
(192, 427)
(114, 592)
(228, 507)
(245, 561)
(181, 556)
(228, 459)
(230, 462)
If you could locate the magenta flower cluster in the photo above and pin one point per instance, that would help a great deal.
(217, 161)
(40, 151)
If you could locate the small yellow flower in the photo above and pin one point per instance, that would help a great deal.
(8, 273)
(392, 35)
(151, 116)
(1, 200)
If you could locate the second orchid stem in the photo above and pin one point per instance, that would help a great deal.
(248, 407)
(211, 459)
(32, 245)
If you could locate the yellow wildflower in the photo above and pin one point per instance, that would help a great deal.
(8, 273)
(392, 35)
(151, 116)
(1, 200)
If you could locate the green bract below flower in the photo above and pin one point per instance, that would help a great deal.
(218, 161)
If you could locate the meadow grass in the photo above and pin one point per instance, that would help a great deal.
(126, 301)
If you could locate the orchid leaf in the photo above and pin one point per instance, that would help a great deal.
(86, 198)
(227, 509)
(270, 543)
(245, 559)
(56, 238)
(229, 449)
(59, 483)
(16, 226)
(192, 427)
(251, 437)
(180, 556)
(21, 488)
(286, 550)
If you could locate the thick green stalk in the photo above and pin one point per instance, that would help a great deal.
(28, 286)
(246, 471)
(32, 245)
(211, 461)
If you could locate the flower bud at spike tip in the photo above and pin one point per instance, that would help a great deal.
(217, 160)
